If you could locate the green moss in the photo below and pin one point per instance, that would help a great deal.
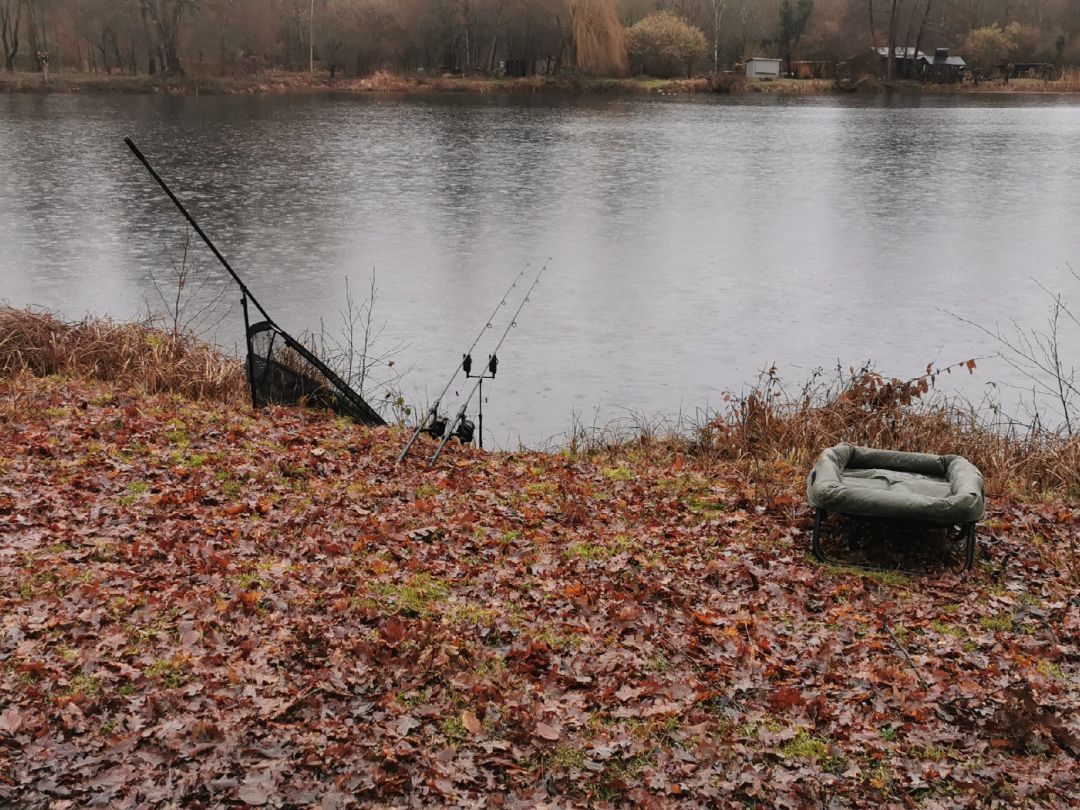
(167, 671)
(1003, 622)
(417, 596)
(930, 752)
(1051, 669)
(453, 729)
(587, 551)
(132, 493)
(178, 437)
(471, 614)
(496, 665)
(804, 745)
(565, 756)
(248, 581)
(86, 684)
(883, 577)
(617, 473)
(947, 629)
(560, 643)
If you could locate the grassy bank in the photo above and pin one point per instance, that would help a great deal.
(382, 82)
(284, 82)
(204, 605)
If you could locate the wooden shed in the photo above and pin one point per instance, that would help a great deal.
(762, 68)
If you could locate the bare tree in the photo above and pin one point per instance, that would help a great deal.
(894, 22)
(163, 19)
(10, 21)
(598, 37)
(717, 9)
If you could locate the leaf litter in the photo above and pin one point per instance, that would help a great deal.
(206, 607)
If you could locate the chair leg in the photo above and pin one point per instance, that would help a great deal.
(969, 552)
(819, 516)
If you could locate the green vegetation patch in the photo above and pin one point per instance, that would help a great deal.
(420, 595)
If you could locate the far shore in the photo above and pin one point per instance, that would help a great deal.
(282, 82)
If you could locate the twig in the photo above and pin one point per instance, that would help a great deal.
(900, 647)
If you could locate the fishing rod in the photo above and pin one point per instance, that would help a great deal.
(493, 362)
(191, 221)
(436, 429)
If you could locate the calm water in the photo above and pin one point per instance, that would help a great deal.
(691, 242)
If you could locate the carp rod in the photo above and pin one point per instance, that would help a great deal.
(432, 416)
(202, 235)
(493, 362)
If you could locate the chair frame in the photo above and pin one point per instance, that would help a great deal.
(967, 533)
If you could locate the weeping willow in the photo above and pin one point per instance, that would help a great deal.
(598, 36)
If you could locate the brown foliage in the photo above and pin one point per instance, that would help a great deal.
(202, 609)
(131, 354)
(599, 37)
(863, 407)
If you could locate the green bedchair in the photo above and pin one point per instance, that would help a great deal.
(857, 481)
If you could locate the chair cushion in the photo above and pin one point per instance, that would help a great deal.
(852, 480)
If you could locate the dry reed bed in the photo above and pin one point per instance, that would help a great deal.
(130, 354)
(764, 426)
(771, 434)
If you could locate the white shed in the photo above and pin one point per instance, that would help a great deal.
(762, 68)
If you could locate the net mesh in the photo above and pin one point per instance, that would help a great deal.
(282, 371)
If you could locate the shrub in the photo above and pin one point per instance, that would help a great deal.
(986, 48)
(665, 45)
(135, 354)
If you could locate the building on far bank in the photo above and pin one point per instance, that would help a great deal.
(762, 68)
(941, 68)
(813, 70)
(1029, 70)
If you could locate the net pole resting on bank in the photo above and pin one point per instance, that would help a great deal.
(195, 225)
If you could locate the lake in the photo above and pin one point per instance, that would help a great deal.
(690, 242)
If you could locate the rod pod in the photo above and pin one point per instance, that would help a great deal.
(491, 359)
(433, 411)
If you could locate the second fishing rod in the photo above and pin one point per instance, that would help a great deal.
(492, 364)
(432, 423)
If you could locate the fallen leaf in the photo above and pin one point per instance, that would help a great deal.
(546, 732)
(471, 722)
(10, 720)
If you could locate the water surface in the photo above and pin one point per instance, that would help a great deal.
(690, 242)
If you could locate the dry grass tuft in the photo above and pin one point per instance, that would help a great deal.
(133, 354)
(868, 409)
(774, 436)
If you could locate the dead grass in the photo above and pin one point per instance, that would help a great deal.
(868, 409)
(131, 354)
(766, 428)
(770, 431)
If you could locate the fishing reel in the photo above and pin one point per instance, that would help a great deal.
(436, 427)
(465, 432)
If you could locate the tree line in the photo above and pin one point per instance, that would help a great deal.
(516, 37)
